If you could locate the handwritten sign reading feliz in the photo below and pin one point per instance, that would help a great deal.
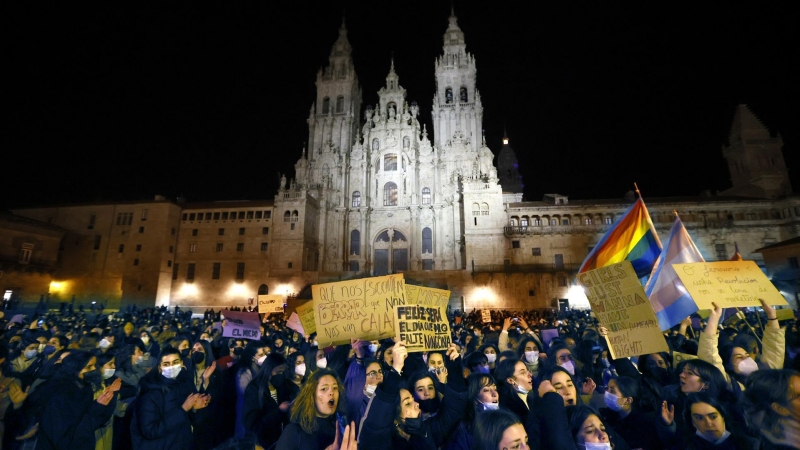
(422, 321)
(728, 284)
(620, 304)
(360, 309)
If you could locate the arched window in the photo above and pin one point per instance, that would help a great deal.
(390, 194)
(587, 221)
(523, 222)
(462, 93)
(376, 144)
(426, 196)
(476, 209)
(406, 142)
(294, 216)
(263, 289)
(355, 242)
(514, 221)
(427, 240)
(565, 220)
(326, 105)
(554, 221)
(356, 199)
(339, 104)
(390, 162)
(484, 209)
(537, 222)
(287, 216)
(448, 96)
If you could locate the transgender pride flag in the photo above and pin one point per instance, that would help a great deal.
(669, 298)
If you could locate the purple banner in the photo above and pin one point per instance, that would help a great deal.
(244, 325)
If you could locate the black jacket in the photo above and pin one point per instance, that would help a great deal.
(294, 438)
(71, 416)
(159, 421)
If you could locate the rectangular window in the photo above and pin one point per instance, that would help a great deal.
(264, 246)
(221, 232)
(208, 216)
(536, 251)
(607, 220)
(514, 244)
(136, 262)
(215, 271)
(92, 220)
(793, 263)
(141, 230)
(289, 265)
(249, 214)
(225, 215)
(194, 232)
(427, 264)
(175, 269)
(216, 216)
(192, 216)
(353, 266)
(241, 231)
(562, 281)
(192, 248)
(171, 249)
(185, 216)
(144, 214)
(292, 227)
(390, 162)
(267, 214)
(219, 246)
(721, 251)
(172, 231)
(240, 247)
(25, 253)
(240, 271)
(169, 263)
(190, 272)
(121, 248)
(265, 230)
(241, 215)
(138, 247)
(258, 214)
(97, 240)
(532, 293)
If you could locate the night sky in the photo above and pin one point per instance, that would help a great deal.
(120, 101)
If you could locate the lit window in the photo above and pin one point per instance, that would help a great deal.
(356, 199)
(390, 162)
(390, 194)
(426, 196)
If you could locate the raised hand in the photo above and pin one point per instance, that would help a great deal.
(16, 394)
(115, 386)
(188, 404)
(506, 323)
(588, 387)
(209, 371)
(285, 406)
(399, 354)
(442, 375)
(667, 413)
(523, 324)
(546, 386)
(105, 398)
(452, 352)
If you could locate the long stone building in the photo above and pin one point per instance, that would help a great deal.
(375, 193)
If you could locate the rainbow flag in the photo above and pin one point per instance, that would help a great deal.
(633, 238)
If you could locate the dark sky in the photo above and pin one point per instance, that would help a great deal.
(208, 100)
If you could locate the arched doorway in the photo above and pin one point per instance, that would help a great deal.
(263, 289)
(391, 252)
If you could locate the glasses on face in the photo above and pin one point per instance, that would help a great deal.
(375, 373)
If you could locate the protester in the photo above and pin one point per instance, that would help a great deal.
(710, 420)
(499, 430)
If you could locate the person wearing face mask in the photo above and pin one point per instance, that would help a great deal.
(477, 362)
(590, 433)
(528, 352)
(151, 345)
(623, 414)
(515, 384)
(246, 369)
(26, 363)
(710, 420)
(264, 396)
(163, 414)
(130, 368)
(734, 360)
(206, 381)
(481, 396)
(106, 364)
(73, 411)
(491, 352)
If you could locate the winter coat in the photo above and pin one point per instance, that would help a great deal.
(159, 421)
(71, 416)
(295, 438)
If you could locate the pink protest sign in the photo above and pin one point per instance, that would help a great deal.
(243, 325)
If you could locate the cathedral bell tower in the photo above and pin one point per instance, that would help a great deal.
(457, 108)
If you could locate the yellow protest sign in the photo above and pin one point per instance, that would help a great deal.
(268, 304)
(784, 314)
(422, 321)
(678, 357)
(618, 300)
(306, 313)
(728, 284)
(361, 309)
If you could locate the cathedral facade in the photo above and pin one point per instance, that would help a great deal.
(376, 192)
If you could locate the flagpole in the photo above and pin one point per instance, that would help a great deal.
(749, 326)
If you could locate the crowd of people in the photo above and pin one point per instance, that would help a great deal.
(160, 379)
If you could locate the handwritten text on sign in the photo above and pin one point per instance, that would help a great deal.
(306, 313)
(361, 309)
(620, 304)
(241, 325)
(422, 322)
(728, 284)
(268, 304)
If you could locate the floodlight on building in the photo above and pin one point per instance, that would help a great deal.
(577, 298)
(483, 295)
(189, 290)
(237, 290)
(284, 289)
(57, 286)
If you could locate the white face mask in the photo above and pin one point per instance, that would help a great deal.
(370, 389)
(491, 357)
(373, 348)
(104, 343)
(569, 367)
(171, 371)
(41, 348)
(322, 363)
(261, 360)
(747, 366)
(108, 373)
(521, 389)
(145, 340)
(532, 357)
(489, 406)
(612, 401)
(597, 446)
(300, 370)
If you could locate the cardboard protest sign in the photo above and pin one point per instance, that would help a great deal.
(294, 323)
(728, 284)
(268, 304)
(241, 325)
(677, 357)
(618, 300)
(486, 316)
(784, 314)
(306, 314)
(422, 321)
(360, 309)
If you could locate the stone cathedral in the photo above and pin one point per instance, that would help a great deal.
(377, 192)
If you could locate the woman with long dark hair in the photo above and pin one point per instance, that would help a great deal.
(499, 430)
(263, 399)
(72, 415)
(623, 414)
(712, 424)
(246, 369)
(481, 396)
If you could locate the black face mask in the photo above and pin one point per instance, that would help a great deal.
(184, 353)
(659, 374)
(198, 357)
(92, 377)
(238, 351)
(277, 379)
(429, 406)
(414, 426)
